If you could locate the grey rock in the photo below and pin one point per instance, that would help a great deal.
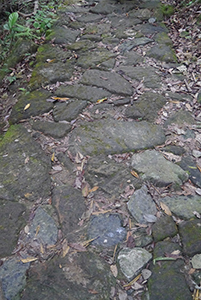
(167, 274)
(93, 58)
(143, 13)
(189, 165)
(70, 205)
(81, 46)
(140, 204)
(129, 45)
(147, 74)
(13, 278)
(190, 236)
(13, 217)
(148, 29)
(196, 261)
(141, 238)
(132, 261)
(163, 228)
(163, 53)
(155, 168)
(88, 18)
(45, 227)
(111, 177)
(183, 206)
(24, 167)
(106, 230)
(181, 118)
(56, 130)
(82, 92)
(112, 82)
(68, 111)
(63, 35)
(146, 107)
(132, 58)
(38, 106)
(104, 137)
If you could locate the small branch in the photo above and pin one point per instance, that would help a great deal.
(35, 7)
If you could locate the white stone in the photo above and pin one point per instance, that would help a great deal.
(196, 261)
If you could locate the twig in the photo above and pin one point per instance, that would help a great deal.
(35, 7)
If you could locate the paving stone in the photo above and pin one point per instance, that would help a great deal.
(112, 82)
(180, 117)
(190, 232)
(132, 261)
(62, 35)
(103, 137)
(183, 206)
(168, 274)
(146, 107)
(70, 206)
(82, 92)
(56, 130)
(189, 165)
(106, 230)
(147, 74)
(163, 53)
(38, 106)
(129, 45)
(163, 228)
(13, 278)
(152, 166)
(68, 111)
(93, 58)
(132, 58)
(26, 167)
(111, 177)
(13, 217)
(140, 204)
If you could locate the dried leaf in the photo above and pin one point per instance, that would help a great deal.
(114, 270)
(94, 189)
(42, 249)
(52, 158)
(57, 168)
(28, 259)
(60, 98)
(101, 100)
(27, 106)
(26, 160)
(165, 208)
(85, 190)
(130, 242)
(132, 281)
(37, 230)
(135, 174)
(150, 218)
(93, 292)
(77, 247)
(65, 248)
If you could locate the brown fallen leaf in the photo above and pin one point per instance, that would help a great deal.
(27, 106)
(65, 248)
(60, 98)
(114, 270)
(135, 174)
(85, 190)
(132, 281)
(94, 292)
(94, 189)
(28, 259)
(77, 247)
(165, 208)
(52, 157)
(101, 100)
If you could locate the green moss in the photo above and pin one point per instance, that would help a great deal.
(167, 10)
(10, 135)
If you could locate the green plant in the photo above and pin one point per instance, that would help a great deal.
(167, 10)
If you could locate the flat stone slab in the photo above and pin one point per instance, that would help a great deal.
(152, 166)
(163, 228)
(62, 35)
(111, 136)
(146, 107)
(70, 205)
(82, 92)
(82, 275)
(37, 102)
(68, 111)
(132, 261)
(93, 58)
(189, 165)
(163, 53)
(106, 229)
(13, 217)
(141, 204)
(183, 206)
(129, 45)
(110, 176)
(25, 167)
(112, 82)
(56, 130)
(190, 234)
(167, 280)
(147, 74)
(13, 278)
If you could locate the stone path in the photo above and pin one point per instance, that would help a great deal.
(100, 169)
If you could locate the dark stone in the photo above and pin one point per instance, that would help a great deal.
(190, 232)
(112, 82)
(164, 227)
(129, 45)
(177, 150)
(56, 130)
(163, 53)
(189, 164)
(180, 117)
(13, 217)
(68, 111)
(82, 92)
(62, 35)
(70, 206)
(92, 59)
(106, 230)
(24, 167)
(38, 106)
(167, 280)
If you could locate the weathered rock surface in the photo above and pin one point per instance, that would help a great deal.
(68, 111)
(57, 130)
(132, 261)
(110, 136)
(141, 204)
(151, 164)
(26, 165)
(190, 236)
(163, 228)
